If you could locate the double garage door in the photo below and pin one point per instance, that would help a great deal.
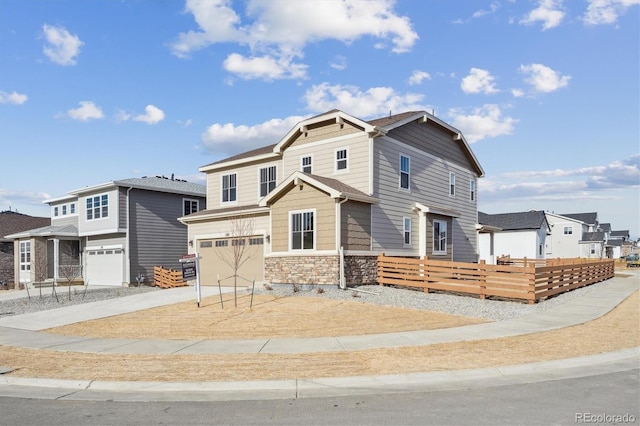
(218, 257)
(104, 267)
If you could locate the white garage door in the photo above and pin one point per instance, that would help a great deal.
(104, 267)
(218, 255)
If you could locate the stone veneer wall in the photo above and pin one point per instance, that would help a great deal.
(6, 263)
(320, 269)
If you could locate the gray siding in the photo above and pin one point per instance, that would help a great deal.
(429, 185)
(156, 238)
(122, 207)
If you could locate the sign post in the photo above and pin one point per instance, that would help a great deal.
(190, 268)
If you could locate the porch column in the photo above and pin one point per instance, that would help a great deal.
(56, 260)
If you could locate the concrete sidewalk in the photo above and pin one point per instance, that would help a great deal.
(22, 331)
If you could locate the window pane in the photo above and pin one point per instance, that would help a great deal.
(404, 180)
(308, 240)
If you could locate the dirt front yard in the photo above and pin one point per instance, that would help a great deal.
(308, 317)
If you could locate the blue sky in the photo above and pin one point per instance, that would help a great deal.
(546, 91)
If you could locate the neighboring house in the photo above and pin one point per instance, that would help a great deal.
(593, 240)
(111, 232)
(10, 223)
(518, 235)
(404, 185)
(566, 234)
(624, 240)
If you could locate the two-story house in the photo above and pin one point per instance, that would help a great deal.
(566, 234)
(320, 205)
(111, 233)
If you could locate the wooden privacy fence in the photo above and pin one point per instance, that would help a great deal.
(529, 281)
(167, 278)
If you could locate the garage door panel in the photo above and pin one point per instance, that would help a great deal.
(218, 257)
(104, 267)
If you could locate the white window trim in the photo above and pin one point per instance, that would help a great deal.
(335, 160)
(315, 230)
(405, 231)
(452, 184)
(56, 211)
(26, 264)
(260, 181)
(473, 190)
(441, 222)
(400, 172)
(302, 157)
(93, 218)
(222, 189)
(564, 230)
(191, 200)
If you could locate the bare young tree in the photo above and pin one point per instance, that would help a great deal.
(70, 269)
(241, 250)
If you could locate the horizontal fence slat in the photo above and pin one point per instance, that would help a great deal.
(521, 279)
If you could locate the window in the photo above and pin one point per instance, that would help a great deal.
(56, 211)
(222, 243)
(341, 159)
(238, 242)
(98, 207)
(256, 241)
(302, 230)
(407, 231)
(25, 255)
(72, 208)
(64, 210)
(452, 184)
(229, 188)
(306, 164)
(472, 190)
(404, 172)
(267, 180)
(190, 206)
(568, 230)
(439, 237)
(206, 244)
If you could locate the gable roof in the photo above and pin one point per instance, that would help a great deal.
(534, 219)
(620, 234)
(375, 127)
(588, 218)
(333, 187)
(12, 222)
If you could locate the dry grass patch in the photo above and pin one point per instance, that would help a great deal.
(270, 317)
(617, 330)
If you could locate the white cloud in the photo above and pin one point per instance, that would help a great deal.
(478, 81)
(362, 104)
(229, 139)
(484, 122)
(276, 32)
(493, 7)
(12, 197)
(517, 93)
(544, 79)
(152, 115)
(600, 12)
(339, 63)
(63, 47)
(264, 67)
(87, 111)
(578, 185)
(417, 77)
(549, 12)
(13, 98)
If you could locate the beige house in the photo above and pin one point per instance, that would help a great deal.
(322, 203)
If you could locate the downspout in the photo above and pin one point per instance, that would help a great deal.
(127, 267)
(343, 283)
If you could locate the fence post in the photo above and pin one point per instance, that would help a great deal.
(425, 273)
(483, 279)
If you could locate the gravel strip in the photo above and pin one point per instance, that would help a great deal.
(494, 310)
(36, 303)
